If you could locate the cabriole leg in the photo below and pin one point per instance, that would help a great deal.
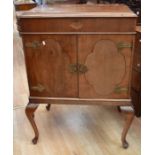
(129, 115)
(30, 109)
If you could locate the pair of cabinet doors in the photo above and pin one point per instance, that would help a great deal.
(78, 66)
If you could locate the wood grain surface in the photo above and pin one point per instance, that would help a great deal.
(48, 56)
(67, 130)
(48, 65)
(98, 66)
(78, 10)
(76, 25)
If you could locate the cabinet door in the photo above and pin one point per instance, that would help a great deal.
(106, 65)
(48, 61)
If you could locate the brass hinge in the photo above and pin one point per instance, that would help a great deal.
(34, 44)
(124, 45)
(119, 89)
(38, 87)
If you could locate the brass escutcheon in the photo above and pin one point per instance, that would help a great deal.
(78, 68)
(73, 68)
(76, 25)
(82, 69)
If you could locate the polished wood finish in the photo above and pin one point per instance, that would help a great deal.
(115, 10)
(83, 101)
(76, 25)
(129, 112)
(30, 109)
(77, 18)
(136, 100)
(136, 74)
(83, 129)
(61, 61)
(56, 56)
(109, 68)
(136, 79)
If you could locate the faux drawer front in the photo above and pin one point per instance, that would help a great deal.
(76, 24)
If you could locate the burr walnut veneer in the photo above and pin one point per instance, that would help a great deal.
(78, 54)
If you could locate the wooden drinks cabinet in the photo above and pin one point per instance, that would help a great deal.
(78, 54)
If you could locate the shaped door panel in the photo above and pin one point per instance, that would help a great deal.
(108, 62)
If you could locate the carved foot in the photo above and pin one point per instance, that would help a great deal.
(129, 113)
(30, 109)
(35, 140)
(125, 144)
(48, 107)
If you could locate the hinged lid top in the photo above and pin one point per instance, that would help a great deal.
(78, 10)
